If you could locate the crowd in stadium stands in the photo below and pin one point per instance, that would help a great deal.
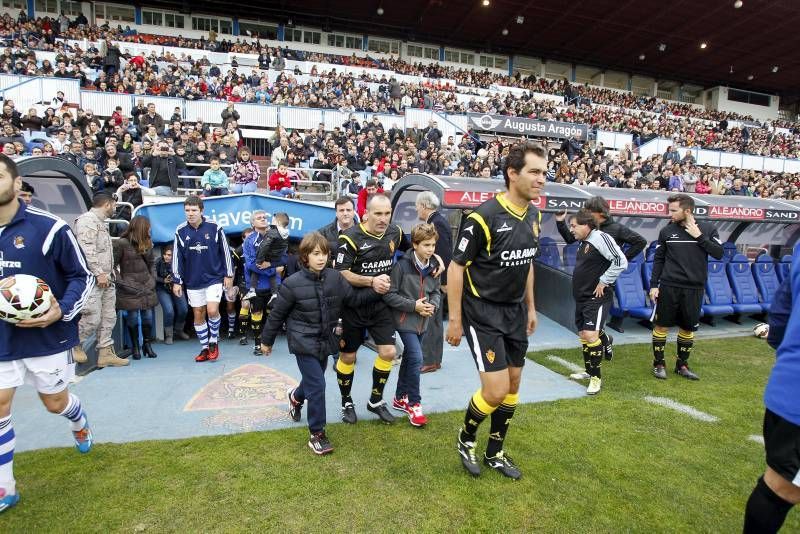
(369, 150)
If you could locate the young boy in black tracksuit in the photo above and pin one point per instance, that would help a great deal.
(272, 248)
(310, 302)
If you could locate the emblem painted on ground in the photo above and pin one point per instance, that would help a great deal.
(247, 398)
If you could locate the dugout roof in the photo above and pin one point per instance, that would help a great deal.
(457, 192)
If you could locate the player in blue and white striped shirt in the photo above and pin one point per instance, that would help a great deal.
(201, 260)
(39, 351)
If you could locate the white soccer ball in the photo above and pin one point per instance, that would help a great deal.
(761, 330)
(23, 296)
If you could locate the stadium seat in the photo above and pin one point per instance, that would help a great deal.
(639, 258)
(631, 300)
(784, 267)
(766, 276)
(743, 286)
(728, 251)
(719, 296)
(650, 251)
(570, 254)
(548, 252)
(647, 273)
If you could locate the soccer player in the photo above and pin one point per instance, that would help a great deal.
(598, 264)
(599, 208)
(490, 296)
(202, 262)
(680, 269)
(365, 257)
(779, 488)
(40, 244)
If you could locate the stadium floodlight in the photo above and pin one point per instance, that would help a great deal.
(703, 45)
(486, 3)
(641, 57)
(505, 31)
(520, 19)
(774, 68)
(750, 77)
(662, 47)
(738, 3)
(379, 11)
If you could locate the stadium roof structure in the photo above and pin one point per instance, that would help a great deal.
(464, 193)
(610, 34)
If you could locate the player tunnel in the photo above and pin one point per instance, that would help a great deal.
(59, 185)
(760, 232)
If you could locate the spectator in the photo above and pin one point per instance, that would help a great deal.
(150, 118)
(129, 192)
(174, 308)
(229, 114)
(31, 121)
(164, 166)
(370, 188)
(738, 189)
(245, 173)
(280, 183)
(215, 182)
(136, 283)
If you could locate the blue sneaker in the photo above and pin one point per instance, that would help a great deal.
(83, 438)
(8, 501)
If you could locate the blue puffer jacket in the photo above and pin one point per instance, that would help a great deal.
(311, 306)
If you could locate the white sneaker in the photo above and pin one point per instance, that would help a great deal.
(594, 386)
(250, 294)
(583, 375)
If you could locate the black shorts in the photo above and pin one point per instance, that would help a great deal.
(591, 314)
(376, 318)
(679, 306)
(497, 334)
(782, 445)
(259, 302)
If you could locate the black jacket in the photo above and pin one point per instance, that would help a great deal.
(163, 170)
(331, 233)
(444, 246)
(621, 234)
(273, 246)
(311, 306)
(681, 260)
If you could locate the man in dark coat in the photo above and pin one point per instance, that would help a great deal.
(345, 218)
(427, 205)
(164, 165)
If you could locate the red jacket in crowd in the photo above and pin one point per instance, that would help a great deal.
(278, 181)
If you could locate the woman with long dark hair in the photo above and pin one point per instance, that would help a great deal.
(136, 282)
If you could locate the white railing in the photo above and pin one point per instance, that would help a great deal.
(26, 91)
(717, 158)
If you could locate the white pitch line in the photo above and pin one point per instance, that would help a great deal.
(683, 408)
(757, 439)
(569, 365)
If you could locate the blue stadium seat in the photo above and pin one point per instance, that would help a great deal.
(718, 291)
(570, 253)
(639, 258)
(784, 267)
(548, 254)
(744, 287)
(728, 251)
(650, 251)
(647, 274)
(631, 300)
(766, 276)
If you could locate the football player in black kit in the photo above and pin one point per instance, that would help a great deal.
(680, 269)
(490, 296)
(365, 257)
(598, 264)
(622, 235)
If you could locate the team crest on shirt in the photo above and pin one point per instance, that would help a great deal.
(19, 242)
(208, 236)
(586, 249)
(490, 356)
(535, 228)
(341, 343)
(391, 247)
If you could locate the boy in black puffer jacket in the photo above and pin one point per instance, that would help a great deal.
(310, 302)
